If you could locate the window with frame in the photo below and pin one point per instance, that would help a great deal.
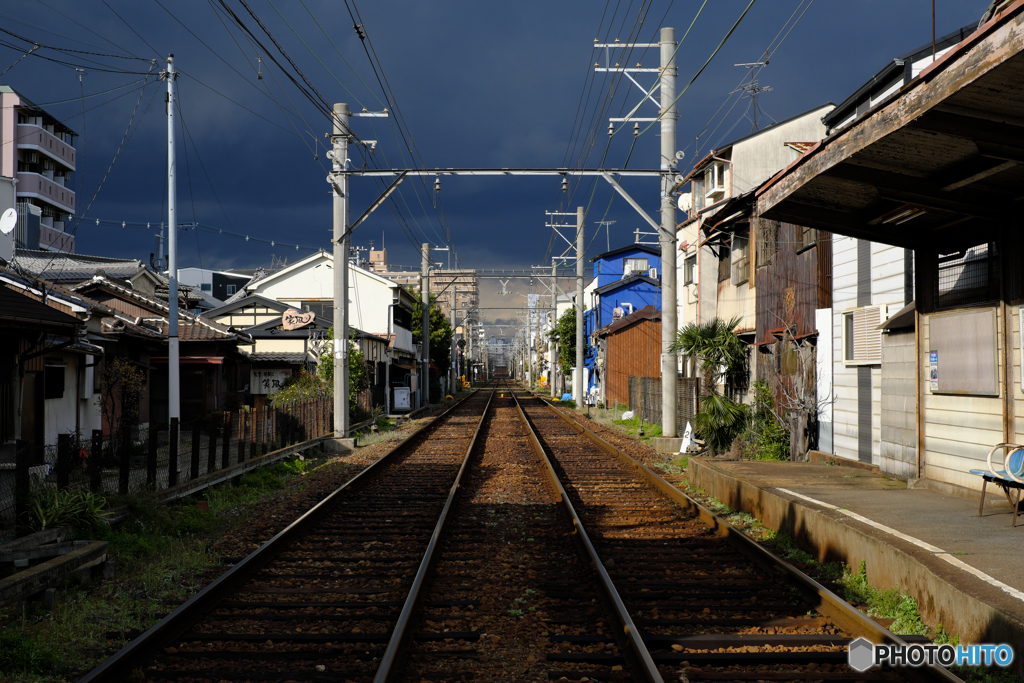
(231, 289)
(714, 181)
(697, 192)
(323, 309)
(634, 265)
(805, 238)
(862, 340)
(724, 261)
(740, 259)
(690, 270)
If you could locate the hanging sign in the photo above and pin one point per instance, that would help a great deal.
(293, 319)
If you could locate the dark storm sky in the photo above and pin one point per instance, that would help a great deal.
(478, 84)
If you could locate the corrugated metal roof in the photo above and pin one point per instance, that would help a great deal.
(18, 307)
(648, 312)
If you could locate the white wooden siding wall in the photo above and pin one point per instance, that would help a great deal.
(960, 430)
(886, 288)
(844, 378)
(1018, 393)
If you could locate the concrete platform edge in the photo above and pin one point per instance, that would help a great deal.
(666, 444)
(947, 595)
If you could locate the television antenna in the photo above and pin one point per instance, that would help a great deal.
(753, 89)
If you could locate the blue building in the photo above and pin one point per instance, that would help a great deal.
(627, 278)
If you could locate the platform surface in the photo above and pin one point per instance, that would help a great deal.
(987, 543)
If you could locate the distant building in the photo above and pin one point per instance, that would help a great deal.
(38, 152)
(216, 286)
(457, 290)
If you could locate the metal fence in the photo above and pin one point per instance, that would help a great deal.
(645, 399)
(144, 458)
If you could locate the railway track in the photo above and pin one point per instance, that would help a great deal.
(505, 543)
(706, 602)
(324, 599)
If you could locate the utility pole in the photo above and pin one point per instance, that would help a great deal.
(339, 141)
(580, 251)
(173, 358)
(454, 350)
(425, 322)
(554, 323)
(669, 313)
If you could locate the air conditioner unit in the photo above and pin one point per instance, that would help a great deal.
(618, 313)
(653, 272)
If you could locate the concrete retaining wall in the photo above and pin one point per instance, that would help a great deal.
(962, 603)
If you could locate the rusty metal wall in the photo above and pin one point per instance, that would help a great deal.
(645, 399)
(634, 351)
(791, 286)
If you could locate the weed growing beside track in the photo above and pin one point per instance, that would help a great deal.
(164, 555)
(159, 552)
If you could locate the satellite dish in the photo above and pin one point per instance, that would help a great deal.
(685, 202)
(8, 220)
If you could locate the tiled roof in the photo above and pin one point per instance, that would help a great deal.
(190, 327)
(74, 267)
(273, 357)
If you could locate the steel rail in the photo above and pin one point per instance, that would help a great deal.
(120, 666)
(629, 629)
(400, 632)
(825, 601)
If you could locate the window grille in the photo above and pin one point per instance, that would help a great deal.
(767, 242)
(967, 277)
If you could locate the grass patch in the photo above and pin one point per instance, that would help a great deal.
(159, 551)
(633, 427)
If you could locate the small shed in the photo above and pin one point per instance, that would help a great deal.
(633, 348)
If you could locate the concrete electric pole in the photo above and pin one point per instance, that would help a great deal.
(580, 252)
(173, 355)
(425, 322)
(669, 314)
(552, 349)
(339, 141)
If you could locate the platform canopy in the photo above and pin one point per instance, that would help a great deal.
(939, 161)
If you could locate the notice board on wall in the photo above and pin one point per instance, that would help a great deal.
(965, 343)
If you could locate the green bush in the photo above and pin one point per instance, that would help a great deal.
(766, 436)
(295, 466)
(74, 507)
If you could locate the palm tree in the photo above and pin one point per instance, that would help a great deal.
(719, 352)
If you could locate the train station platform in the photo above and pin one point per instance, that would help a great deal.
(966, 571)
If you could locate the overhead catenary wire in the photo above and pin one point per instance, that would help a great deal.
(128, 132)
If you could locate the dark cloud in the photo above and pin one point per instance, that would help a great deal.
(478, 84)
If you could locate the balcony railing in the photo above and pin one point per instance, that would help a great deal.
(37, 138)
(39, 187)
(56, 240)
